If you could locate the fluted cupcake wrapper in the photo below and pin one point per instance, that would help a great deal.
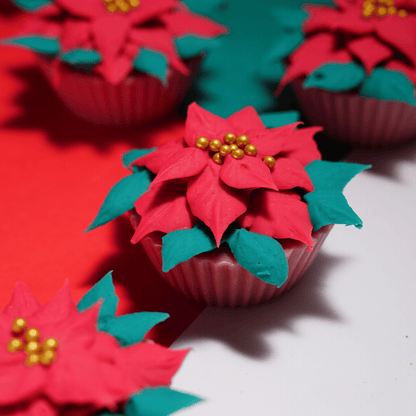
(216, 279)
(358, 120)
(138, 99)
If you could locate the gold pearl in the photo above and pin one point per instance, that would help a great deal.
(32, 360)
(229, 138)
(402, 13)
(389, 2)
(19, 325)
(218, 158)
(134, 3)
(233, 147)
(243, 140)
(367, 13)
(215, 144)
(269, 161)
(15, 344)
(32, 347)
(32, 334)
(251, 150)
(381, 11)
(202, 142)
(237, 154)
(111, 8)
(225, 150)
(47, 357)
(50, 344)
(391, 10)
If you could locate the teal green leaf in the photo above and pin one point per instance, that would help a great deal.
(205, 7)
(190, 46)
(272, 71)
(289, 17)
(131, 329)
(273, 120)
(198, 239)
(330, 207)
(39, 44)
(122, 197)
(161, 401)
(103, 290)
(261, 255)
(134, 154)
(383, 84)
(336, 77)
(332, 175)
(81, 57)
(285, 45)
(31, 5)
(153, 63)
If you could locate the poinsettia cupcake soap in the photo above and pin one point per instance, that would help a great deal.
(233, 213)
(118, 62)
(354, 73)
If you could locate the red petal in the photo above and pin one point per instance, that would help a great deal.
(289, 174)
(247, 173)
(370, 51)
(246, 118)
(22, 303)
(155, 160)
(116, 70)
(75, 33)
(149, 9)
(353, 22)
(320, 18)
(279, 215)
(41, 26)
(213, 202)
(81, 8)
(163, 208)
(348, 4)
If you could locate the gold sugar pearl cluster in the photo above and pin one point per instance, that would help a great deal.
(381, 8)
(237, 147)
(28, 340)
(122, 6)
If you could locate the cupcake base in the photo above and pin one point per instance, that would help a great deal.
(139, 99)
(357, 120)
(216, 279)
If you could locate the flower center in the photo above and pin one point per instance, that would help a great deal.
(381, 8)
(237, 147)
(122, 6)
(28, 340)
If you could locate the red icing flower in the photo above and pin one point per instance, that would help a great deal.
(89, 371)
(195, 183)
(374, 32)
(118, 35)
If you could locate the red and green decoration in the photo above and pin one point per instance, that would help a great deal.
(364, 46)
(61, 359)
(115, 37)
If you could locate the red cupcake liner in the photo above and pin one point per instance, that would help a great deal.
(216, 279)
(139, 99)
(358, 120)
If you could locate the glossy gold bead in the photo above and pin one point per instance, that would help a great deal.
(111, 8)
(243, 140)
(15, 344)
(237, 154)
(215, 144)
(47, 357)
(32, 360)
(269, 161)
(31, 334)
(19, 325)
(32, 347)
(402, 13)
(225, 150)
(367, 13)
(218, 158)
(50, 344)
(134, 3)
(250, 150)
(229, 138)
(233, 147)
(391, 10)
(381, 11)
(202, 142)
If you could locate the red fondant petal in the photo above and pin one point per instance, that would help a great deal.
(289, 174)
(22, 304)
(75, 34)
(149, 9)
(320, 18)
(348, 4)
(247, 173)
(116, 70)
(81, 8)
(353, 22)
(40, 26)
(244, 119)
(213, 202)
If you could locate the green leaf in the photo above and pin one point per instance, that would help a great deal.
(31, 5)
(261, 255)
(134, 154)
(289, 17)
(332, 175)
(383, 84)
(336, 77)
(39, 44)
(131, 329)
(181, 245)
(285, 45)
(272, 71)
(161, 401)
(122, 197)
(190, 46)
(104, 289)
(153, 63)
(205, 7)
(273, 120)
(83, 57)
(330, 207)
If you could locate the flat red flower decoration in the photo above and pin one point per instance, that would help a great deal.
(218, 171)
(373, 32)
(81, 371)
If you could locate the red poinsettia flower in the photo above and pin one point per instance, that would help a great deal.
(208, 176)
(86, 371)
(374, 32)
(118, 29)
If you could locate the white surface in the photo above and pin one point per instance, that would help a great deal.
(342, 342)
